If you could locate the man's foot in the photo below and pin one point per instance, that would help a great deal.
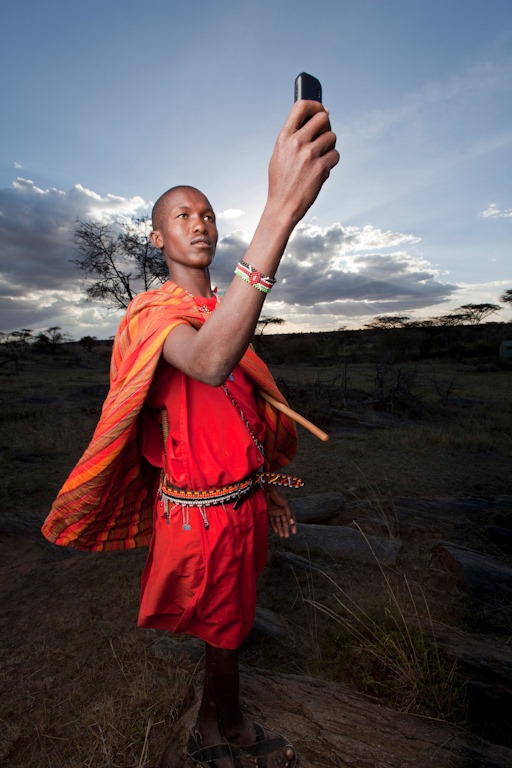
(211, 749)
(269, 748)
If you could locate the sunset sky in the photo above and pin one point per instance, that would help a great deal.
(107, 104)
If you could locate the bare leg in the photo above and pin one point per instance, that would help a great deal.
(220, 704)
(220, 701)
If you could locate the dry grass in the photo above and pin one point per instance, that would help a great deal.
(386, 649)
(425, 456)
(86, 688)
(47, 415)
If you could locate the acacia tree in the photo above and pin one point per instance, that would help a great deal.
(453, 318)
(473, 314)
(118, 260)
(50, 339)
(507, 297)
(265, 320)
(388, 321)
(20, 339)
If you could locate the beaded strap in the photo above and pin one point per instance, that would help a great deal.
(252, 276)
(258, 444)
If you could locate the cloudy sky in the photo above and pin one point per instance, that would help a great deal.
(108, 103)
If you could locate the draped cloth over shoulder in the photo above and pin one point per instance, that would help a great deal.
(107, 501)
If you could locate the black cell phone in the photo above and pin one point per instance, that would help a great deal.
(308, 87)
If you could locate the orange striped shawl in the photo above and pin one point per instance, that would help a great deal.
(106, 502)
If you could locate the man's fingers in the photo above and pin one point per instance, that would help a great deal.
(283, 526)
(301, 112)
(315, 126)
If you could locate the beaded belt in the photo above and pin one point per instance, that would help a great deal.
(226, 493)
(237, 492)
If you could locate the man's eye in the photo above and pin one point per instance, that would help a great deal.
(182, 215)
(209, 216)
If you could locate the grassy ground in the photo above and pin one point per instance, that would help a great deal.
(84, 687)
(449, 432)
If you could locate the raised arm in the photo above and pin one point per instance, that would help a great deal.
(303, 157)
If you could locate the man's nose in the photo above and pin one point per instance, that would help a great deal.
(199, 224)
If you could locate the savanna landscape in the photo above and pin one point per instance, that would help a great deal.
(419, 454)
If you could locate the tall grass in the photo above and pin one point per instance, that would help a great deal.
(383, 648)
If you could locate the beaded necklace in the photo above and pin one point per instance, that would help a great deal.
(205, 304)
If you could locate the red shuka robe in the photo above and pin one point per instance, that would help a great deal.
(107, 501)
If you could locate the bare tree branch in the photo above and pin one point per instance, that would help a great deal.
(117, 260)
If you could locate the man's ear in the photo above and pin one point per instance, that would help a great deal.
(157, 239)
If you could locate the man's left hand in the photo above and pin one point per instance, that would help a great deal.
(279, 513)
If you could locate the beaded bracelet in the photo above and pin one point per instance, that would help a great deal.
(251, 275)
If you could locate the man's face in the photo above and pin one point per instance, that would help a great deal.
(188, 233)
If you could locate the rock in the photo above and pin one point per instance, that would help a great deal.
(504, 520)
(483, 577)
(21, 524)
(176, 648)
(317, 508)
(487, 661)
(296, 562)
(499, 534)
(481, 653)
(490, 710)
(268, 623)
(339, 541)
(333, 727)
(429, 515)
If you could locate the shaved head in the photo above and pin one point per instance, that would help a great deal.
(158, 212)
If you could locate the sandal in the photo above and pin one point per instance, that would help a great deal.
(263, 747)
(207, 756)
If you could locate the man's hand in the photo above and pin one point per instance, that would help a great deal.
(303, 158)
(279, 513)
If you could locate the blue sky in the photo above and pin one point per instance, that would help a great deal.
(107, 104)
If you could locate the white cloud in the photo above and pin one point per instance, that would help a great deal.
(39, 286)
(493, 212)
(230, 214)
(328, 274)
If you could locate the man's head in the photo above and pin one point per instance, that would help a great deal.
(184, 227)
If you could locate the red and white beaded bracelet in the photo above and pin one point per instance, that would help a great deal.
(252, 276)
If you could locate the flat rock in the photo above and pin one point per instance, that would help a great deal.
(340, 541)
(317, 508)
(333, 727)
(428, 515)
(270, 624)
(499, 534)
(296, 562)
(487, 661)
(482, 653)
(483, 577)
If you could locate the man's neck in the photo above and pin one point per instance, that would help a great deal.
(193, 281)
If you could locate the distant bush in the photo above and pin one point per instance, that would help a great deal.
(409, 343)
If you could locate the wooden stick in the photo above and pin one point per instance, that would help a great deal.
(295, 416)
